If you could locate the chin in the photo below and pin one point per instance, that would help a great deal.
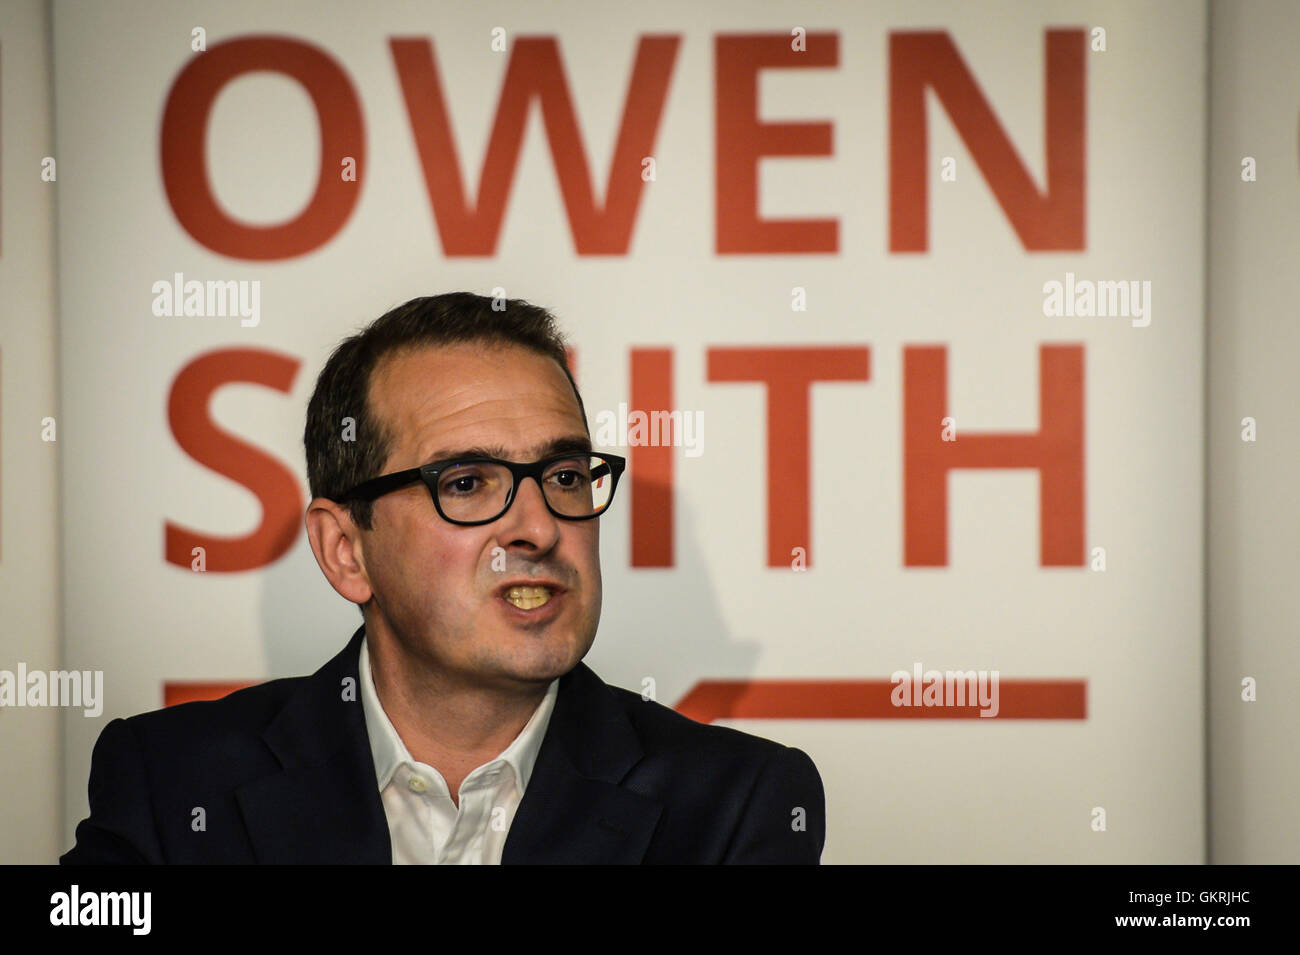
(550, 660)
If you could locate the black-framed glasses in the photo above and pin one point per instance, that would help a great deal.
(576, 486)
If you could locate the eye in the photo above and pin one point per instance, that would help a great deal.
(463, 482)
(570, 476)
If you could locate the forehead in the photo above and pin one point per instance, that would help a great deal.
(440, 401)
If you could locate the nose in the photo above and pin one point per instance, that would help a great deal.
(529, 522)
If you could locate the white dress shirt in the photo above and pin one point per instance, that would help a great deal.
(425, 826)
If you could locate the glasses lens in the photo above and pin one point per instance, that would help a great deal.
(474, 492)
(579, 486)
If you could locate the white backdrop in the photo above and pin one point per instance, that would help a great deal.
(898, 790)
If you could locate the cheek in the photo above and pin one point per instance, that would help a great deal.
(590, 549)
(427, 569)
(446, 571)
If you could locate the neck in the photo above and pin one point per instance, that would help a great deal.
(452, 724)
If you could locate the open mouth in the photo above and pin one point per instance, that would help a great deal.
(528, 598)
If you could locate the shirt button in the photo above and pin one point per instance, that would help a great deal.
(416, 784)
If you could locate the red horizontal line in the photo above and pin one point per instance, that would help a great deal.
(179, 691)
(1022, 699)
(709, 700)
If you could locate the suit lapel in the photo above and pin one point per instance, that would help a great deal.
(573, 810)
(324, 806)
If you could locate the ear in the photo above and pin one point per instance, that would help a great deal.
(336, 543)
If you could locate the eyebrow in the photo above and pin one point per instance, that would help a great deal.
(575, 442)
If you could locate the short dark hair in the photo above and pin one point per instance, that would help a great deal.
(335, 465)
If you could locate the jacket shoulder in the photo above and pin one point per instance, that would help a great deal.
(207, 745)
(148, 772)
(243, 712)
(664, 730)
(728, 796)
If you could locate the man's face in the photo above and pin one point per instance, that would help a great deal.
(435, 588)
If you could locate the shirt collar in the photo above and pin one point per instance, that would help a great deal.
(390, 752)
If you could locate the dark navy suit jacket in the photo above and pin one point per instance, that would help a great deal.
(284, 774)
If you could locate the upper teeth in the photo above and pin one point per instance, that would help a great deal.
(528, 592)
(527, 598)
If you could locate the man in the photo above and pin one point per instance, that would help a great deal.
(457, 501)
